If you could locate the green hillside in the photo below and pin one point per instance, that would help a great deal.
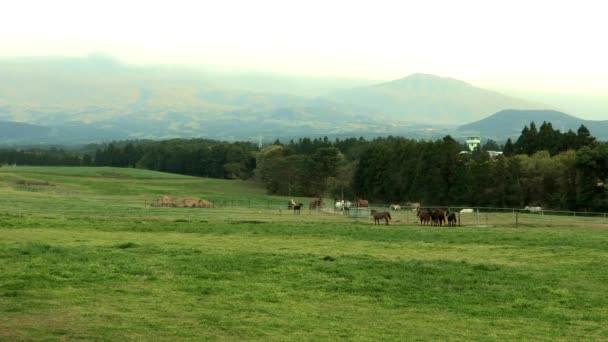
(83, 259)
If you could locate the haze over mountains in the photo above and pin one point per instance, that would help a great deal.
(78, 100)
(431, 99)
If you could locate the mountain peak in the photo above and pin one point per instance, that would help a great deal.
(430, 97)
(422, 79)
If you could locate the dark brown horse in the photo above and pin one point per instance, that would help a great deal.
(297, 207)
(438, 216)
(451, 219)
(379, 215)
(424, 215)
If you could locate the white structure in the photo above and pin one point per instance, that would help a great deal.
(473, 143)
(494, 154)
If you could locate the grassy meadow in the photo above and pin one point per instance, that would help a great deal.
(84, 257)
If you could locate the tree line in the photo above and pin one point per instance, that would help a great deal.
(542, 167)
(568, 171)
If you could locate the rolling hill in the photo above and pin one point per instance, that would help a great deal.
(509, 123)
(431, 99)
(81, 100)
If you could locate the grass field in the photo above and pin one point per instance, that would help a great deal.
(68, 274)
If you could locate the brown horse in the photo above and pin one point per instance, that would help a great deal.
(379, 215)
(362, 203)
(316, 204)
(424, 215)
(438, 216)
(297, 207)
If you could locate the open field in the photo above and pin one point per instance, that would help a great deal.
(83, 258)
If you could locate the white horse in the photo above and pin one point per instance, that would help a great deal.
(395, 207)
(343, 205)
(533, 209)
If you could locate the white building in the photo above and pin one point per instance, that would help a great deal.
(473, 143)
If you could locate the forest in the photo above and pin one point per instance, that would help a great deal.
(542, 167)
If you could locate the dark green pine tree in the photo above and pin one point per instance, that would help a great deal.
(568, 141)
(532, 139)
(508, 150)
(583, 137)
(520, 145)
(548, 139)
(490, 145)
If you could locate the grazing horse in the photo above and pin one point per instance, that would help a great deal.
(291, 204)
(451, 219)
(362, 203)
(424, 215)
(379, 215)
(395, 207)
(297, 207)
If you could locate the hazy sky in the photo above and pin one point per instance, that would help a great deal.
(543, 45)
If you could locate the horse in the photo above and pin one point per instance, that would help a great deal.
(438, 216)
(339, 205)
(291, 204)
(379, 215)
(362, 203)
(424, 215)
(451, 219)
(343, 205)
(297, 207)
(395, 207)
(413, 205)
(314, 204)
(533, 209)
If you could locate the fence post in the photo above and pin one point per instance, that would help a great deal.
(516, 219)
(459, 219)
(477, 214)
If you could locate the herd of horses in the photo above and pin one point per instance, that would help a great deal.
(433, 217)
(340, 205)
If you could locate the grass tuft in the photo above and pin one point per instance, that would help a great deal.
(127, 245)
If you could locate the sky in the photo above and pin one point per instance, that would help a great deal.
(544, 46)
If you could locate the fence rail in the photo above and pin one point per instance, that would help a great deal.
(277, 211)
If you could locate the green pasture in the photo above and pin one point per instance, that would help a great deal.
(83, 258)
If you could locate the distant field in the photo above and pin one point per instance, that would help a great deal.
(74, 266)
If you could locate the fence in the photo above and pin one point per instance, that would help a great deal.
(276, 211)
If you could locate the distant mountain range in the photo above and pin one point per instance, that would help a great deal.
(431, 99)
(509, 124)
(80, 100)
